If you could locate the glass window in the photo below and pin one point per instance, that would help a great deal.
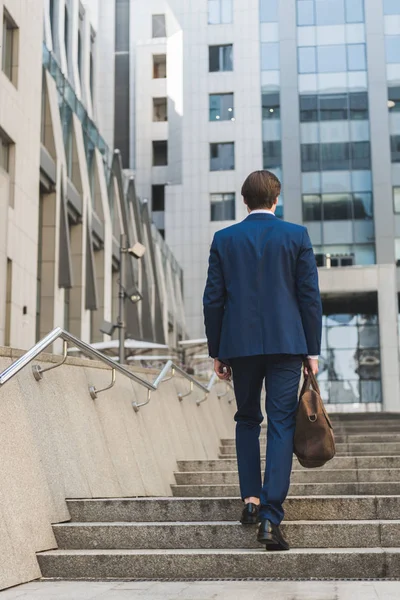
(332, 59)
(396, 199)
(223, 207)
(394, 99)
(222, 157)
(159, 26)
(354, 11)
(310, 157)
(160, 109)
(358, 106)
(272, 154)
(221, 58)
(360, 155)
(271, 106)
(335, 157)
(220, 11)
(308, 108)
(305, 12)
(221, 107)
(391, 7)
(395, 148)
(392, 43)
(158, 198)
(270, 56)
(312, 210)
(329, 12)
(159, 66)
(9, 43)
(160, 153)
(371, 391)
(362, 206)
(356, 57)
(337, 207)
(269, 11)
(333, 107)
(4, 152)
(307, 60)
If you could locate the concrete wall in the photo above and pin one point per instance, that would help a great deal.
(57, 443)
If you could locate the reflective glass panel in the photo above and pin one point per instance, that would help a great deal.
(344, 392)
(395, 148)
(394, 99)
(362, 206)
(358, 106)
(354, 11)
(222, 157)
(371, 391)
(310, 157)
(369, 363)
(341, 319)
(269, 11)
(360, 155)
(369, 336)
(305, 12)
(336, 207)
(335, 157)
(332, 59)
(392, 43)
(342, 337)
(396, 199)
(270, 56)
(329, 12)
(333, 107)
(221, 107)
(391, 7)
(272, 154)
(159, 26)
(356, 57)
(307, 60)
(214, 14)
(342, 364)
(312, 208)
(308, 108)
(222, 207)
(271, 106)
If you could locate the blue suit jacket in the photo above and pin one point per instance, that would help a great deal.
(262, 294)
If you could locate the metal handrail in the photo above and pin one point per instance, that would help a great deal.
(59, 333)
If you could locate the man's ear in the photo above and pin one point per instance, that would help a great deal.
(276, 201)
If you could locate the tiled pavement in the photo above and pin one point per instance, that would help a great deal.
(206, 590)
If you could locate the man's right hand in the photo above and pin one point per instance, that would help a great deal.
(222, 370)
(312, 364)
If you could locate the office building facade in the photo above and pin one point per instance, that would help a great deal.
(64, 198)
(310, 90)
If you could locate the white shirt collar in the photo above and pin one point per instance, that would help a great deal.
(261, 211)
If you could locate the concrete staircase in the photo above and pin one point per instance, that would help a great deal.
(342, 521)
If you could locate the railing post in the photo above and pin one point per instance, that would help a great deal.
(121, 294)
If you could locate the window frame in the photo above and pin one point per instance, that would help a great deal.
(9, 25)
(217, 145)
(157, 66)
(221, 58)
(154, 24)
(231, 116)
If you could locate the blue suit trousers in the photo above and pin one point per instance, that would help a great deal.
(281, 373)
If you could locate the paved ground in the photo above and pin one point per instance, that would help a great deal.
(206, 590)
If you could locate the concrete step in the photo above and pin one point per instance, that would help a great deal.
(296, 489)
(298, 476)
(375, 563)
(371, 448)
(339, 462)
(342, 439)
(150, 510)
(300, 534)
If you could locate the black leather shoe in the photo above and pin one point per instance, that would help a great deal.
(250, 514)
(270, 535)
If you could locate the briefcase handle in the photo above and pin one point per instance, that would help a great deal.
(310, 380)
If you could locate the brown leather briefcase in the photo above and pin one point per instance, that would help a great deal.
(314, 442)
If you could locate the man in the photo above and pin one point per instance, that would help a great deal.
(263, 319)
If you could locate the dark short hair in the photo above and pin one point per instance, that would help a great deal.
(261, 189)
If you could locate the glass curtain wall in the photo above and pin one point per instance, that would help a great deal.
(270, 88)
(335, 132)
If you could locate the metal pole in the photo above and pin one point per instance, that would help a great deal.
(122, 286)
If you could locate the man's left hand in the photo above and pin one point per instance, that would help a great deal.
(224, 372)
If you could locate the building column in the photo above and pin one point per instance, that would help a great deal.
(290, 117)
(389, 343)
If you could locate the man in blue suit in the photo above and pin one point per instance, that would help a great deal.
(263, 319)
